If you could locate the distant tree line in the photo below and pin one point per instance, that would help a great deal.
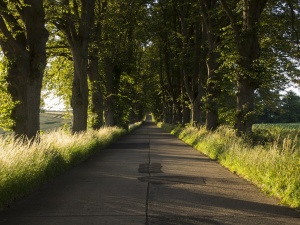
(112, 61)
(283, 109)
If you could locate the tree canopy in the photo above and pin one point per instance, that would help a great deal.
(197, 62)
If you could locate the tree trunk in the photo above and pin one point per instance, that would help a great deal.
(80, 94)
(177, 117)
(211, 63)
(186, 111)
(27, 57)
(97, 96)
(26, 92)
(245, 107)
(186, 114)
(211, 90)
(109, 99)
(193, 77)
(247, 81)
(196, 113)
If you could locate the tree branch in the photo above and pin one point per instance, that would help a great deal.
(231, 18)
(13, 45)
(290, 4)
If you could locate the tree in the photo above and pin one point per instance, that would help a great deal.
(75, 20)
(97, 101)
(122, 37)
(213, 22)
(23, 40)
(244, 19)
(193, 55)
(290, 107)
(173, 32)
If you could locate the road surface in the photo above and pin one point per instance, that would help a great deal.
(148, 177)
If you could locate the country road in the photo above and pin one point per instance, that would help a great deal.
(148, 177)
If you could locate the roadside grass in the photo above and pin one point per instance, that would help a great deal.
(24, 167)
(133, 126)
(270, 159)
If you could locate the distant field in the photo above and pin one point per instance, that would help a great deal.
(295, 126)
(51, 120)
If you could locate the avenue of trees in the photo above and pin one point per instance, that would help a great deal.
(206, 62)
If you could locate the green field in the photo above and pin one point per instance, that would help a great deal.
(51, 120)
(295, 126)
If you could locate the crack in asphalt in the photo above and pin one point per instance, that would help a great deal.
(147, 222)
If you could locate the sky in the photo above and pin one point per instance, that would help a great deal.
(54, 103)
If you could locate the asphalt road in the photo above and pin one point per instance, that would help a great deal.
(148, 177)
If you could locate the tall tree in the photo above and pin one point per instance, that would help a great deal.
(290, 108)
(97, 100)
(23, 40)
(75, 20)
(120, 47)
(213, 22)
(167, 40)
(244, 19)
(193, 56)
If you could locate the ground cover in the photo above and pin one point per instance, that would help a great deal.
(270, 158)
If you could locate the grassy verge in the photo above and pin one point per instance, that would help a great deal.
(270, 159)
(133, 126)
(25, 167)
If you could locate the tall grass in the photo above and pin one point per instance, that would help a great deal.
(270, 159)
(23, 167)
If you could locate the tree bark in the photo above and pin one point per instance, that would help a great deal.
(177, 117)
(80, 94)
(109, 98)
(186, 114)
(26, 53)
(96, 91)
(245, 107)
(186, 111)
(211, 89)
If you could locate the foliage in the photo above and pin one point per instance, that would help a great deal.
(129, 101)
(24, 167)
(58, 79)
(122, 39)
(7, 103)
(290, 108)
(272, 165)
(279, 109)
